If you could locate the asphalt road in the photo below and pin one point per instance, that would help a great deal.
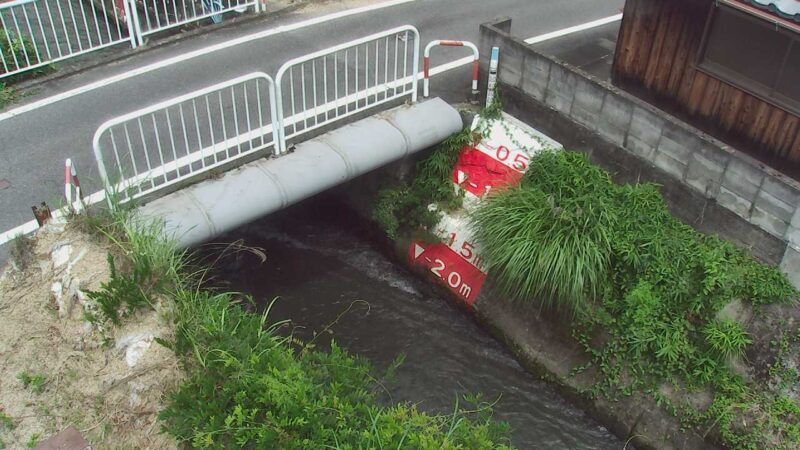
(34, 144)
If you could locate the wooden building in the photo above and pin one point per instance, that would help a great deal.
(729, 67)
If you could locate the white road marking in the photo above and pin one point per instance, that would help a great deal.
(98, 197)
(194, 54)
(575, 29)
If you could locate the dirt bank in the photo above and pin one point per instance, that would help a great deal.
(58, 369)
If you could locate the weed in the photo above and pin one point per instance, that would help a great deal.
(6, 422)
(727, 338)
(22, 251)
(126, 292)
(155, 262)
(7, 95)
(408, 206)
(33, 440)
(34, 381)
(547, 244)
(19, 52)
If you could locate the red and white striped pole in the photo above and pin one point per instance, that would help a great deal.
(445, 43)
(71, 181)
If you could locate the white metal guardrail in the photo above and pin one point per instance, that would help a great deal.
(34, 33)
(152, 16)
(331, 84)
(172, 141)
(161, 145)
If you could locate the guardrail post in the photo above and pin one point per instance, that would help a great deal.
(71, 181)
(445, 43)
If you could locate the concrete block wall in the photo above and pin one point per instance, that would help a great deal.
(757, 194)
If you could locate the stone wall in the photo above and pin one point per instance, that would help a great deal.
(644, 143)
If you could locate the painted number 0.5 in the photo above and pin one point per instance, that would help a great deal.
(520, 159)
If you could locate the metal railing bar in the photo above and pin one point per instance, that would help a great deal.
(53, 28)
(30, 33)
(85, 24)
(75, 26)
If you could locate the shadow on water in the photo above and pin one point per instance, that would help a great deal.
(331, 280)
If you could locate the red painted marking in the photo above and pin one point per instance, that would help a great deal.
(455, 273)
(451, 43)
(426, 66)
(475, 66)
(482, 172)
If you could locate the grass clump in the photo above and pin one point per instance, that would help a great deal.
(549, 243)
(726, 338)
(33, 381)
(152, 263)
(7, 95)
(33, 440)
(6, 422)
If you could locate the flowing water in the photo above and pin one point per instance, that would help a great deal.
(333, 282)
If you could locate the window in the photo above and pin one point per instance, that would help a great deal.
(754, 55)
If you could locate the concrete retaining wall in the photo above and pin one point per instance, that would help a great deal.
(648, 144)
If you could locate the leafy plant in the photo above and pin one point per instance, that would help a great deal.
(18, 52)
(7, 95)
(726, 337)
(156, 263)
(33, 440)
(407, 206)
(122, 292)
(34, 381)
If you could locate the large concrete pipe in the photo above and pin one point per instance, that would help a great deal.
(211, 207)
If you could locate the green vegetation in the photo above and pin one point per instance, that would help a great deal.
(249, 387)
(33, 440)
(21, 50)
(645, 291)
(406, 207)
(34, 381)
(549, 243)
(6, 422)
(7, 95)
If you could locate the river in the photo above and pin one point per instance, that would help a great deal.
(332, 281)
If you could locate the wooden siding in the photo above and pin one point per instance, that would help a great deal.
(657, 51)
